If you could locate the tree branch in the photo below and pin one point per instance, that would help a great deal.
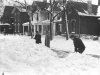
(25, 4)
(8, 2)
(20, 3)
(57, 14)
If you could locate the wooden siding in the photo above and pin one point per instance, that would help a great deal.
(90, 25)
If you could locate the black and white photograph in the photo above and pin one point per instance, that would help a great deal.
(49, 37)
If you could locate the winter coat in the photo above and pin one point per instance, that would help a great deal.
(38, 38)
(78, 44)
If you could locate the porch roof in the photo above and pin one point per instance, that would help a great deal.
(45, 22)
(26, 24)
(1, 24)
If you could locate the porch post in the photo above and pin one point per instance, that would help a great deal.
(37, 27)
(23, 29)
(54, 29)
(28, 28)
(79, 26)
(34, 29)
(42, 30)
(60, 27)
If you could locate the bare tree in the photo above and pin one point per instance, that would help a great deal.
(63, 9)
(31, 10)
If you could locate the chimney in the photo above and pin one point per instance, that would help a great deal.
(89, 6)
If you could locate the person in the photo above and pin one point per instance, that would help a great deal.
(4, 31)
(78, 44)
(37, 37)
(47, 39)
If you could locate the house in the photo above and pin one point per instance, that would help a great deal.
(20, 17)
(5, 18)
(41, 19)
(15, 16)
(80, 21)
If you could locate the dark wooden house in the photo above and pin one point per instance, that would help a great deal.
(7, 17)
(20, 17)
(80, 21)
(15, 16)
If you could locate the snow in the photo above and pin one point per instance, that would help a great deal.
(20, 55)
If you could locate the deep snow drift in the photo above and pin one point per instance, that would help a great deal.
(19, 55)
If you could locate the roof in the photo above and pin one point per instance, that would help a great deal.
(45, 5)
(2, 24)
(83, 14)
(20, 9)
(40, 5)
(8, 9)
(7, 12)
(82, 9)
(47, 22)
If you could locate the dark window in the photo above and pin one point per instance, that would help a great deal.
(73, 21)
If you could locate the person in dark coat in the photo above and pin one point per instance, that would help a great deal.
(78, 44)
(37, 37)
(47, 39)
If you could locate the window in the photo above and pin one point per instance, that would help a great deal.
(73, 21)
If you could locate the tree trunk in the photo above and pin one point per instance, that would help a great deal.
(66, 23)
(30, 27)
(67, 31)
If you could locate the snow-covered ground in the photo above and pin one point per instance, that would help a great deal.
(19, 55)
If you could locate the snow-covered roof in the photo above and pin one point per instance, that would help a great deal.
(47, 22)
(84, 14)
(82, 8)
(26, 24)
(4, 24)
(19, 8)
(45, 5)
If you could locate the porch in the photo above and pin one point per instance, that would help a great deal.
(42, 26)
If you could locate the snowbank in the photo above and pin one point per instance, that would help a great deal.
(19, 55)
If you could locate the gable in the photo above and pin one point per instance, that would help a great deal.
(45, 5)
(8, 10)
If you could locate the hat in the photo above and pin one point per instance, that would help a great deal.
(36, 31)
(72, 36)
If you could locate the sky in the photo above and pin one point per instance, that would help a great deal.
(95, 2)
